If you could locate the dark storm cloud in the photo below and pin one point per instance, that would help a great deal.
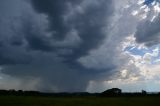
(148, 32)
(10, 55)
(89, 24)
(11, 49)
(34, 36)
(46, 39)
(55, 10)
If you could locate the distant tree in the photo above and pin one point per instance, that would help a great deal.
(144, 92)
(112, 92)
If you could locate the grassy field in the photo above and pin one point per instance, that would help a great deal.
(78, 101)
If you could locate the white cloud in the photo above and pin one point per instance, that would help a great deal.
(134, 72)
(146, 12)
(124, 73)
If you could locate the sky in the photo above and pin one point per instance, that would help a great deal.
(80, 45)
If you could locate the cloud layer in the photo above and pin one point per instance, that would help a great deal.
(70, 45)
(45, 39)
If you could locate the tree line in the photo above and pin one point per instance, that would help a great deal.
(114, 92)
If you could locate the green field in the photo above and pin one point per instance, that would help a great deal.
(78, 101)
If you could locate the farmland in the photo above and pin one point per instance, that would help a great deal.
(79, 101)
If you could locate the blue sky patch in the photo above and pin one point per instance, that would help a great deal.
(154, 52)
(136, 51)
(148, 2)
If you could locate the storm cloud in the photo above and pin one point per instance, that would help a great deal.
(80, 23)
(46, 38)
(148, 32)
(69, 45)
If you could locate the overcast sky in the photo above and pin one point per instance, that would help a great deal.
(80, 45)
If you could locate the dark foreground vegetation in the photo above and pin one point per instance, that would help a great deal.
(111, 97)
(78, 101)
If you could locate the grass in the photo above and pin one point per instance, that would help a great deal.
(78, 101)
